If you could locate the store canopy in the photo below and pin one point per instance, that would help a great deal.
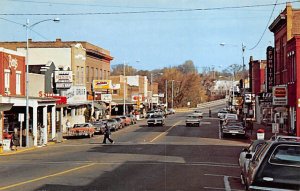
(5, 106)
(99, 106)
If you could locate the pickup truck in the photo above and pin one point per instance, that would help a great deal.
(194, 119)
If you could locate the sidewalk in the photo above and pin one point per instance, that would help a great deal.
(267, 129)
(23, 149)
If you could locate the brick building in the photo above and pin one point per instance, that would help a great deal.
(87, 61)
(286, 29)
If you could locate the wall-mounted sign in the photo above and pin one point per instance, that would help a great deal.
(249, 98)
(106, 97)
(237, 101)
(270, 69)
(115, 86)
(279, 95)
(12, 62)
(137, 98)
(102, 84)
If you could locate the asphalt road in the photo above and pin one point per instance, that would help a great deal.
(173, 158)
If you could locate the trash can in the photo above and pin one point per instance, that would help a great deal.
(6, 144)
(260, 134)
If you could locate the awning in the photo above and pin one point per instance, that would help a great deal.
(99, 106)
(5, 106)
(120, 102)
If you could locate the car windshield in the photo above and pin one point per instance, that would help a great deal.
(192, 117)
(155, 116)
(81, 125)
(286, 155)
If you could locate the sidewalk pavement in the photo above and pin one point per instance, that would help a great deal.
(267, 130)
(23, 149)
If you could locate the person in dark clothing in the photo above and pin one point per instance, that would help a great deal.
(107, 134)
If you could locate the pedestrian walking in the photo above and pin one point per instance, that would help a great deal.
(107, 134)
(68, 125)
(42, 135)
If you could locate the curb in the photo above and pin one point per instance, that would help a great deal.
(23, 150)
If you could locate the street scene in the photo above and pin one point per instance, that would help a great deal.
(149, 95)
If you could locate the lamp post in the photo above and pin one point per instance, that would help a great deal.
(28, 27)
(124, 104)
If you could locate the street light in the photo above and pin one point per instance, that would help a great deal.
(124, 96)
(28, 27)
(243, 62)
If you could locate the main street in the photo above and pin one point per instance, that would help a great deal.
(173, 157)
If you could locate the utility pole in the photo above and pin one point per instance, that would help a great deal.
(172, 93)
(166, 94)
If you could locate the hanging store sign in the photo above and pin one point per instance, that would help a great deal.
(279, 95)
(63, 77)
(270, 69)
(249, 98)
(102, 84)
(106, 97)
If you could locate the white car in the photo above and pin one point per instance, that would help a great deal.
(222, 113)
(243, 162)
(193, 119)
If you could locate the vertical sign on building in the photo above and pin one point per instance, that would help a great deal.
(270, 69)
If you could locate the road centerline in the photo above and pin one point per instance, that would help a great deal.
(165, 131)
(45, 177)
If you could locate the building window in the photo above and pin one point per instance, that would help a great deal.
(101, 75)
(104, 75)
(96, 73)
(87, 74)
(18, 82)
(92, 74)
(7, 80)
(82, 75)
(77, 80)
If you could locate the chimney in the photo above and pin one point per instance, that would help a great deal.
(58, 40)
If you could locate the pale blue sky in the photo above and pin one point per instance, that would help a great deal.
(156, 40)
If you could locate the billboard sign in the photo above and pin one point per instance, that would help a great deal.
(102, 84)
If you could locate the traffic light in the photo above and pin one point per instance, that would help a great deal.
(241, 84)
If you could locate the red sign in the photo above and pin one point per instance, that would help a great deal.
(60, 100)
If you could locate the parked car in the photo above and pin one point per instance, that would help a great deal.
(133, 118)
(231, 116)
(127, 120)
(99, 126)
(251, 149)
(156, 119)
(171, 111)
(82, 129)
(120, 121)
(275, 166)
(233, 128)
(222, 112)
(110, 123)
(193, 120)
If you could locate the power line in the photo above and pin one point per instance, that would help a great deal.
(265, 28)
(11, 21)
(83, 4)
(145, 12)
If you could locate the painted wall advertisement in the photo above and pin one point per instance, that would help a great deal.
(76, 94)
